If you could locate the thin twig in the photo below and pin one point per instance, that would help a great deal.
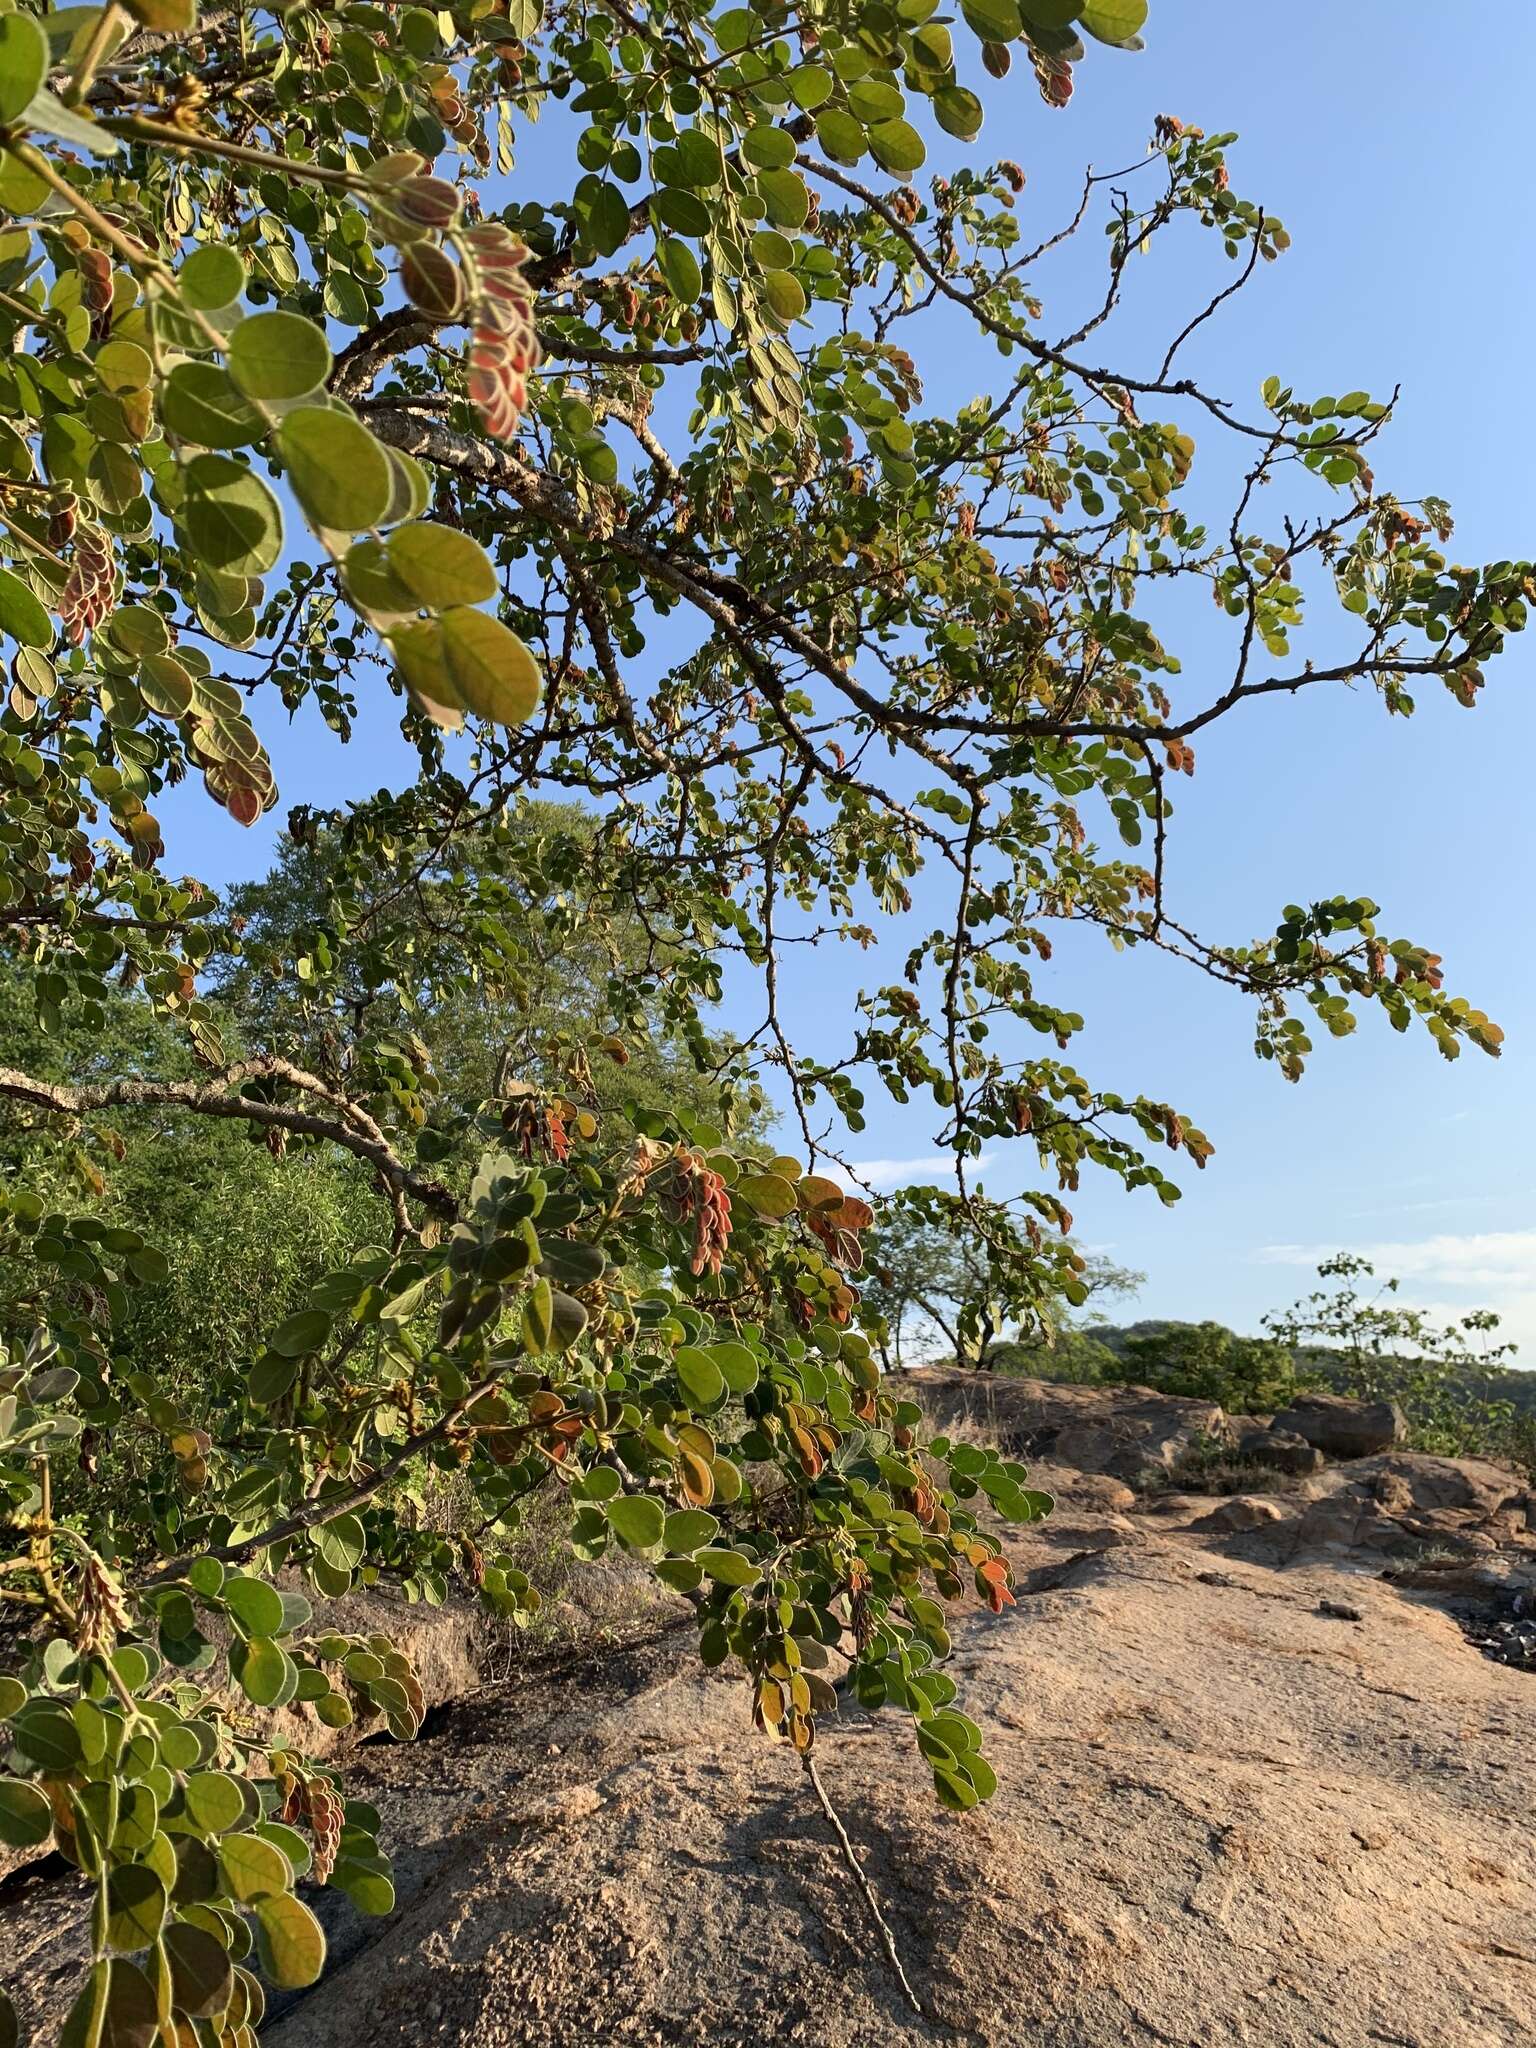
(864, 1885)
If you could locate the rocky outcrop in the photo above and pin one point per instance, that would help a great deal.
(1255, 1788)
(1341, 1428)
(1243, 1511)
(1229, 1812)
(1128, 1433)
(1405, 1504)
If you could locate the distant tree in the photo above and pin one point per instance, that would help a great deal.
(355, 954)
(938, 1284)
(1208, 1362)
(1443, 1375)
(1074, 1358)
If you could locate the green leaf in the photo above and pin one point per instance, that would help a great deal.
(954, 1788)
(341, 1542)
(897, 147)
(369, 1890)
(290, 1941)
(21, 189)
(730, 1567)
(13, 1696)
(638, 1522)
(300, 1334)
(608, 219)
(256, 1606)
(214, 1802)
(294, 1847)
(135, 1907)
(810, 87)
(23, 62)
(269, 1379)
(575, 1264)
(786, 196)
(785, 294)
(421, 659)
(164, 14)
(680, 210)
(491, 669)
(48, 1736)
(738, 1366)
(22, 615)
(278, 355)
(689, 1530)
(768, 1193)
(201, 1976)
(995, 21)
(1113, 21)
(680, 267)
(840, 135)
(211, 278)
(253, 1867)
(231, 519)
(339, 472)
(265, 1673)
(26, 1818)
(373, 584)
(958, 112)
(410, 493)
(568, 1318)
(132, 2018)
(440, 566)
(206, 1576)
(87, 2017)
(199, 402)
(701, 1379)
(768, 148)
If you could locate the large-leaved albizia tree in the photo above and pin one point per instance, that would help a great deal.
(596, 452)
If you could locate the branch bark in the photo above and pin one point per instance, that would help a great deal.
(351, 1127)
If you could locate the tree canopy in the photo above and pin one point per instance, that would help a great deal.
(551, 379)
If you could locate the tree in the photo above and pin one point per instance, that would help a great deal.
(1208, 1362)
(322, 391)
(481, 958)
(1445, 1375)
(931, 1279)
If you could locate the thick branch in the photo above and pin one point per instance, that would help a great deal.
(352, 1128)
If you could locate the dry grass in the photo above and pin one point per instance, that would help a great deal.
(1211, 1466)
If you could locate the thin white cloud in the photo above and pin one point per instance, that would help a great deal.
(1481, 1258)
(896, 1173)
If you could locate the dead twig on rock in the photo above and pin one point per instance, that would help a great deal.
(850, 1857)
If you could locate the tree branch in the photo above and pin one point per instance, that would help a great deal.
(352, 1128)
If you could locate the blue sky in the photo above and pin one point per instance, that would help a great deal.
(1386, 145)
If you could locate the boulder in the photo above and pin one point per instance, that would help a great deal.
(1280, 1450)
(1105, 1532)
(1341, 1428)
(1092, 1491)
(1244, 1511)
